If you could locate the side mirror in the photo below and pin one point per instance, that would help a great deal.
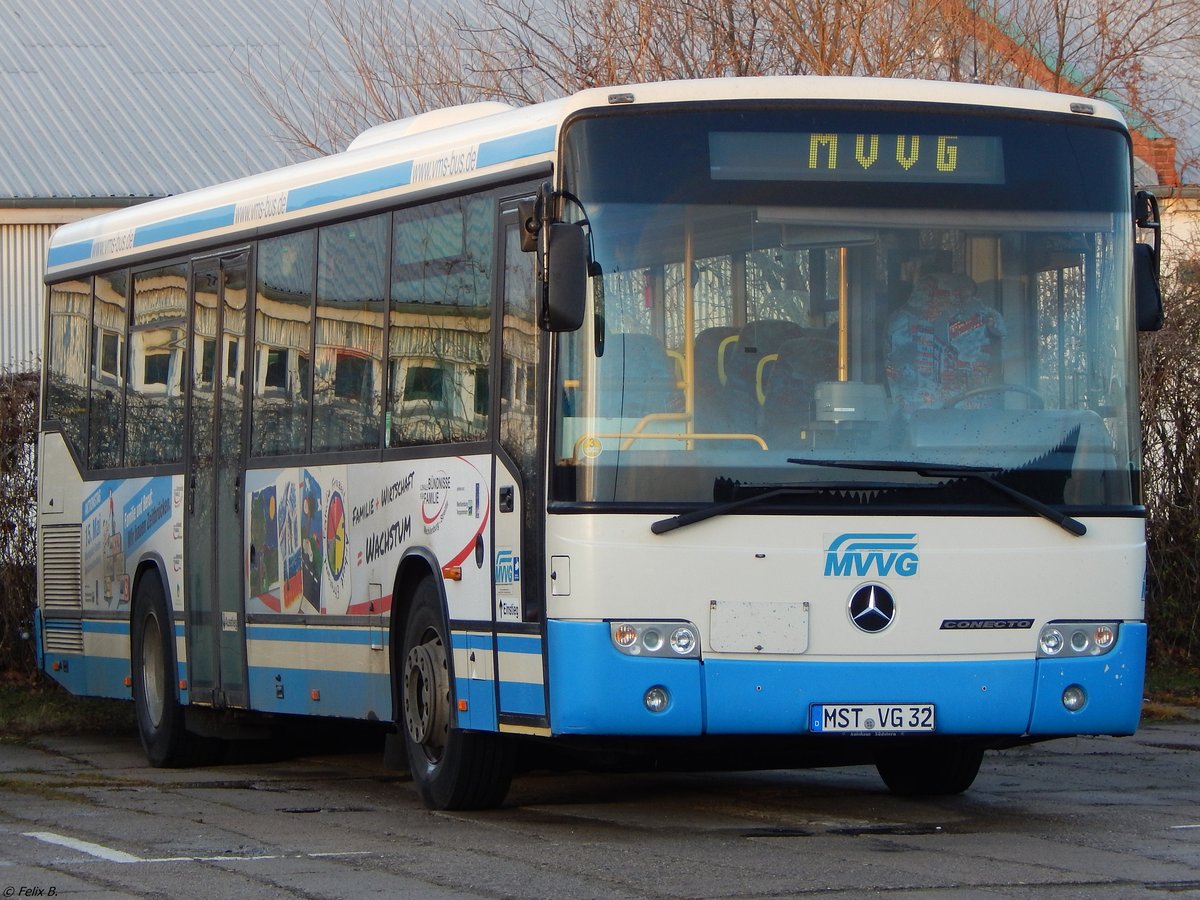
(565, 268)
(562, 258)
(1147, 290)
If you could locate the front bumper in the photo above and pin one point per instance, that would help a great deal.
(596, 690)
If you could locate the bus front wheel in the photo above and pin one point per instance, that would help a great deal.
(452, 769)
(928, 768)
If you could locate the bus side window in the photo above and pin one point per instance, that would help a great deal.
(440, 322)
(282, 343)
(157, 342)
(348, 364)
(106, 402)
(67, 381)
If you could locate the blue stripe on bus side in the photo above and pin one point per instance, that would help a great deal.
(182, 226)
(519, 643)
(473, 640)
(110, 626)
(69, 253)
(348, 186)
(518, 146)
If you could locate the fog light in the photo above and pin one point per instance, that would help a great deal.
(625, 635)
(1051, 641)
(1074, 698)
(656, 699)
(1104, 637)
(683, 640)
(652, 640)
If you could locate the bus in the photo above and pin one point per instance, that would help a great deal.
(725, 423)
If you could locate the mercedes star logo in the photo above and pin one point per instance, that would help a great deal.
(872, 608)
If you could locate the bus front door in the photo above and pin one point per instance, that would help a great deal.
(213, 530)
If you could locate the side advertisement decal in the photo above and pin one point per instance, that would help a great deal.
(124, 521)
(328, 540)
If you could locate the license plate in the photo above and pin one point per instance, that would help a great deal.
(870, 718)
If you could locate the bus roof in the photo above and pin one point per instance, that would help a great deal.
(458, 146)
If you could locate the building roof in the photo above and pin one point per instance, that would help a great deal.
(107, 100)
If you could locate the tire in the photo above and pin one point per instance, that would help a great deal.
(928, 769)
(160, 717)
(451, 768)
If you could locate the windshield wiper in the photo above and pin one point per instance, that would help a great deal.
(983, 474)
(772, 490)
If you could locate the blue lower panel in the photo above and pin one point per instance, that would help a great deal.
(594, 689)
(480, 694)
(522, 699)
(90, 676)
(774, 697)
(1113, 684)
(350, 695)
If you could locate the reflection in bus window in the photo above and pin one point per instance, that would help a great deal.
(351, 285)
(106, 402)
(440, 322)
(282, 344)
(67, 381)
(157, 345)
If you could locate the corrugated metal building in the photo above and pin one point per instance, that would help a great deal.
(104, 103)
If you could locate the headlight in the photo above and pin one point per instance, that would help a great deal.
(683, 640)
(673, 640)
(1064, 640)
(1051, 641)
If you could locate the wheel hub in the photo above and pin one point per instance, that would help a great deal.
(426, 697)
(152, 668)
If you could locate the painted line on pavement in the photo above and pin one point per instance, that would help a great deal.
(119, 856)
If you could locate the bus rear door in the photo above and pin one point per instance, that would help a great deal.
(213, 524)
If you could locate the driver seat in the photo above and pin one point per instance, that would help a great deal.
(943, 343)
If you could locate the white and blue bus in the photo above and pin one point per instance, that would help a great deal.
(781, 421)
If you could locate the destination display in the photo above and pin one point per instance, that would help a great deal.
(866, 157)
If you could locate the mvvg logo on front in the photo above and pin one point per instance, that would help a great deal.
(859, 554)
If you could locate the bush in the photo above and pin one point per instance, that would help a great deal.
(18, 512)
(1170, 371)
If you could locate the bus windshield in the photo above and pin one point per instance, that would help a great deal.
(904, 286)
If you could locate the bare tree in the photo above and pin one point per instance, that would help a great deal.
(365, 62)
(1140, 54)
(369, 61)
(1170, 411)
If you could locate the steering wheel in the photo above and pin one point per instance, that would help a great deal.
(1038, 401)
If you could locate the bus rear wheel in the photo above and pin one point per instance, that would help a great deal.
(160, 717)
(452, 768)
(929, 769)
